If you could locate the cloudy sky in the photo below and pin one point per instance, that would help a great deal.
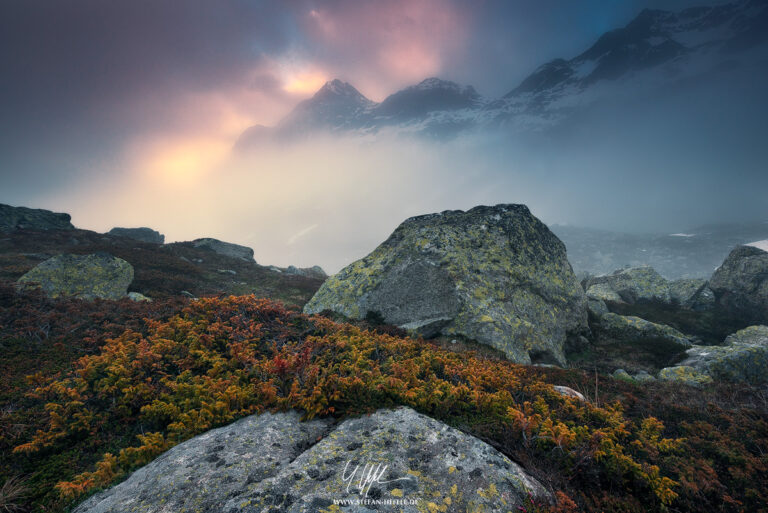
(124, 112)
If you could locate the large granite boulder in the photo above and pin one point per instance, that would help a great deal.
(225, 248)
(740, 284)
(633, 285)
(23, 218)
(497, 275)
(275, 463)
(83, 276)
(635, 332)
(742, 359)
(140, 234)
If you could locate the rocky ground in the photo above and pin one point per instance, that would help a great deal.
(644, 392)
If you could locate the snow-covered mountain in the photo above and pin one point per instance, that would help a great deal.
(655, 50)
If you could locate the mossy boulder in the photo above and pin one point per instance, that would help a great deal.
(602, 292)
(742, 359)
(740, 284)
(274, 462)
(633, 285)
(627, 330)
(23, 218)
(93, 276)
(685, 374)
(496, 275)
(141, 234)
(225, 248)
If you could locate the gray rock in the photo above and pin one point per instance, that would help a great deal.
(692, 293)
(493, 274)
(740, 284)
(140, 234)
(603, 292)
(83, 276)
(685, 374)
(23, 218)
(622, 375)
(569, 392)
(597, 307)
(634, 285)
(308, 272)
(639, 333)
(742, 359)
(643, 377)
(273, 462)
(138, 297)
(225, 248)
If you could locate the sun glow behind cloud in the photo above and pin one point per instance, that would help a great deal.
(305, 83)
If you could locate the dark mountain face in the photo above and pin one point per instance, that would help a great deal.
(337, 105)
(654, 52)
(428, 96)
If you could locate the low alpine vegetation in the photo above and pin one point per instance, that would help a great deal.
(170, 378)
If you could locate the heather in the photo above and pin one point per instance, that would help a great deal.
(93, 408)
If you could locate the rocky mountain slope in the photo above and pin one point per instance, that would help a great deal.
(195, 268)
(654, 51)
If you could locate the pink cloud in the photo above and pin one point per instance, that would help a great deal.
(393, 43)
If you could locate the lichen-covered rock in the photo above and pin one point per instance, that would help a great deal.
(743, 358)
(633, 285)
(140, 234)
(273, 462)
(634, 331)
(740, 284)
(596, 307)
(83, 276)
(602, 292)
(225, 248)
(684, 374)
(692, 293)
(497, 275)
(23, 218)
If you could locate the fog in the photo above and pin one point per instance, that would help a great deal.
(657, 164)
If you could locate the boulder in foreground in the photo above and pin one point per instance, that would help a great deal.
(23, 218)
(497, 275)
(274, 462)
(99, 275)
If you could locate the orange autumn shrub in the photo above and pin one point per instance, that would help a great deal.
(222, 359)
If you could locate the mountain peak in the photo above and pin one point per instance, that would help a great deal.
(338, 87)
